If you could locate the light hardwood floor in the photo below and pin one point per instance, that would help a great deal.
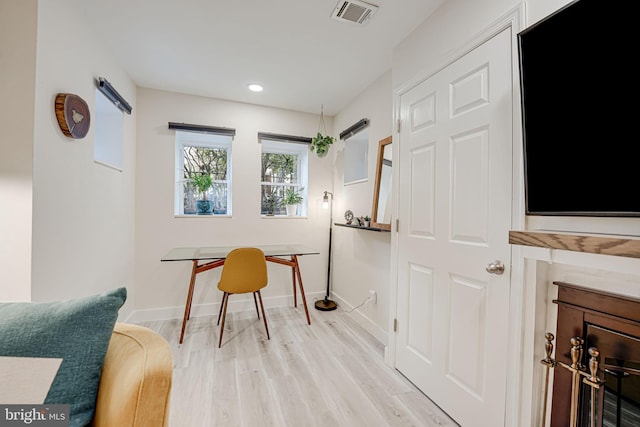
(329, 373)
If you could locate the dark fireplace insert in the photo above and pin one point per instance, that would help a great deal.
(597, 359)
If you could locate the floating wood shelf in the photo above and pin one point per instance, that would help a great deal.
(361, 227)
(604, 245)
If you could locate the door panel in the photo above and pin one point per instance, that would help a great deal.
(469, 186)
(468, 327)
(422, 196)
(420, 297)
(454, 204)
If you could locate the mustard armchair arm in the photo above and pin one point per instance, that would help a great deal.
(135, 384)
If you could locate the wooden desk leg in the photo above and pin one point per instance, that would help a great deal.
(293, 277)
(294, 258)
(187, 306)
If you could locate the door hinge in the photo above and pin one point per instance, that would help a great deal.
(399, 124)
(395, 325)
(397, 225)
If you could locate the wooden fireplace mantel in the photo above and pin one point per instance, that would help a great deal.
(595, 244)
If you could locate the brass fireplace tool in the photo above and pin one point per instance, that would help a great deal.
(577, 371)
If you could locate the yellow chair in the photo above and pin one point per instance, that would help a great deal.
(244, 271)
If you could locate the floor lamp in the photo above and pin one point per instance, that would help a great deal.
(326, 304)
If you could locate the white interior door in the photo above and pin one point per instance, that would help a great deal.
(455, 191)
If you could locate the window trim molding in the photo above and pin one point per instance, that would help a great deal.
(183, 139)
(273, 146)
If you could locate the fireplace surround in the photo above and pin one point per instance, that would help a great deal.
(597, 341)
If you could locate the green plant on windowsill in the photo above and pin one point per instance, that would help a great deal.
(272, 203)
(292, 196)
(202, 182)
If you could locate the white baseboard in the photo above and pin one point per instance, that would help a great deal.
(245, 303)
(366, 322)
(236, 304)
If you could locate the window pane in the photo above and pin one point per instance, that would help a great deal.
(217, 195)
(283, 167)
(279, 168)
(198, 161)
(212, 161)
(219, 198)
(271, 200)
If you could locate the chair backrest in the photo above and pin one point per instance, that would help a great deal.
(244, 270)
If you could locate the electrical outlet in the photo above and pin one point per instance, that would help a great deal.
(373, 296)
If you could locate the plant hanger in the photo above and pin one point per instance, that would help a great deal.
(322, 130)
(321, 142)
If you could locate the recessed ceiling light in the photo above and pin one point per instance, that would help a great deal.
(255, 87)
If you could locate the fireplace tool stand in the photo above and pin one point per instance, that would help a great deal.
(578, 372)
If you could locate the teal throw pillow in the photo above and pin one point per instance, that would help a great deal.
(78, 331)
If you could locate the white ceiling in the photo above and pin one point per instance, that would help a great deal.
(214, 48)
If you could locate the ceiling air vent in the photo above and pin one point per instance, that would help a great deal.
(357, 12)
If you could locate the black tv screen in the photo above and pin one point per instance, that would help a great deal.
(579, 87)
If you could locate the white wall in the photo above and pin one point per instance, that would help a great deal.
(162, 287)
(83, 212)
(17, 77)
(361, 258)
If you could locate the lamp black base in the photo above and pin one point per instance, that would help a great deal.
(326, 305)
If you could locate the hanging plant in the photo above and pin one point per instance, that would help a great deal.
(321, 143)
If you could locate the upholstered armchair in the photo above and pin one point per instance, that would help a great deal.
(136, 379)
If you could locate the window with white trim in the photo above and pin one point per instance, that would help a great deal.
(284, 168)
(204, 158)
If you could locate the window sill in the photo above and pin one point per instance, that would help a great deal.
(283, 217)
(201, 216)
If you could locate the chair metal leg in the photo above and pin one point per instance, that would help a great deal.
(255, 301)
(224, 315)
(264, 317)
(224, 297)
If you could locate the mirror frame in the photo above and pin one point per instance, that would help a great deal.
(376, 190)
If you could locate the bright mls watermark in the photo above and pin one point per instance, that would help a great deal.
(34, 415)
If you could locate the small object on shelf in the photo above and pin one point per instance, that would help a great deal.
(348, 216)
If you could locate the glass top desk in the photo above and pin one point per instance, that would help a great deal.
(207, 258)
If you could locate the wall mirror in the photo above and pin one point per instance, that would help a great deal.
(381, 210)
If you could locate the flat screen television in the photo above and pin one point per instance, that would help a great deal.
(578, 86)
